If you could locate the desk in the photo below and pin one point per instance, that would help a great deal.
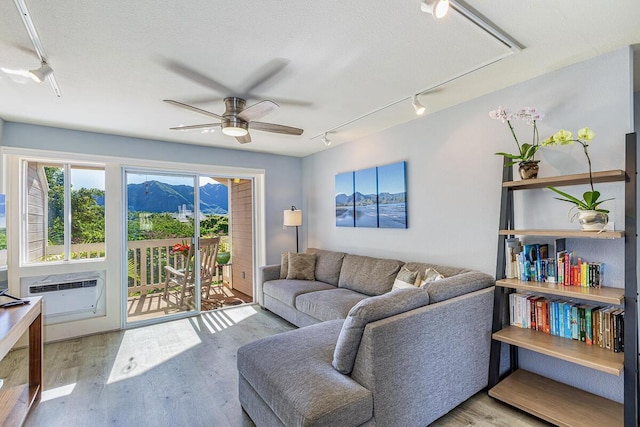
(15, 402)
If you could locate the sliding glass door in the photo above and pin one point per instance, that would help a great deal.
(161, 255)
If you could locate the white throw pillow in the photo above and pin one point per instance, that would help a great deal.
(430, 275)
(405, 279)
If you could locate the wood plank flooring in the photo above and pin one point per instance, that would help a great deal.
(180, 373)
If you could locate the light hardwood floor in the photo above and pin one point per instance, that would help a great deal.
(180, 373)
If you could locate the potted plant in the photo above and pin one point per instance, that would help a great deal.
(525, 157)
(224, 255)
(589, 213)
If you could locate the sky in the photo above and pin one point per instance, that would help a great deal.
(390, 179)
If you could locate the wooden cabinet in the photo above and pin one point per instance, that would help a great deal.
(550, 400)
(16, 401)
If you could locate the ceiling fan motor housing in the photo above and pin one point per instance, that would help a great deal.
(232, 125)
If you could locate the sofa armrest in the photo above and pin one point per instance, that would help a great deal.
(422, 363)
(459, 284)
(265, 274)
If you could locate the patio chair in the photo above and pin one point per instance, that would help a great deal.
(181, 282)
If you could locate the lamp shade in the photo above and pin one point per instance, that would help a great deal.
(292, 218)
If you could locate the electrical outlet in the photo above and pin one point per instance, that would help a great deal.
(243, 276)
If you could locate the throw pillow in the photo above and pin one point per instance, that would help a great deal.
(369, 310)
(430, 275)
(284, 265)
(405, 279)
(301, 266)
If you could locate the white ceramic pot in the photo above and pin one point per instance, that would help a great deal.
(592, 220)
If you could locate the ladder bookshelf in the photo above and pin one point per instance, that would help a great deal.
(550, 400)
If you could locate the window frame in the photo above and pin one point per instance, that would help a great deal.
(67, 166)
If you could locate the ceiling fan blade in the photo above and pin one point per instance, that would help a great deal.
(258, 110)
(244, 139)
(266, 72)
(272, 127)
(195, 109)
(196, 76)
(189, 127)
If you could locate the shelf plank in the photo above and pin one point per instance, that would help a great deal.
(579, 234)
(559, 181)
(557, 403)
(572, 351)
(605, 295)
(14, 405)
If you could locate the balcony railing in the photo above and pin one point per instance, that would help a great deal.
(146, 260)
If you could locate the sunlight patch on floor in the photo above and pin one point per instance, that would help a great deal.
(57, 392)
(146, 348)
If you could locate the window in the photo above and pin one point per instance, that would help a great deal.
(65, 213)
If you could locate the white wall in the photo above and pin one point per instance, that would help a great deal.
(453, 180)
(117, 151)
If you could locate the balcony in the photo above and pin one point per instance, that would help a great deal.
(146, 277)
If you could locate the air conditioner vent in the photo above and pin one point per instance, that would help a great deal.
(39, 289)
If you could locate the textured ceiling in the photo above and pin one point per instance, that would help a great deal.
(331, 65)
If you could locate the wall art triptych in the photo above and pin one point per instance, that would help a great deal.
(374, 197)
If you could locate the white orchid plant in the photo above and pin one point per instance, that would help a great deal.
(526, 151)
(590, 199)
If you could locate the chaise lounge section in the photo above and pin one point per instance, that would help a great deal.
(365, 355)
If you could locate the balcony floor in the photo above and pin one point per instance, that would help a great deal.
(151, 306)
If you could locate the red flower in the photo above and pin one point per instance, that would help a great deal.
(180, 248)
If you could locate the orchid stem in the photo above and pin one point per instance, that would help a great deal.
(514, 136)
(586, 153)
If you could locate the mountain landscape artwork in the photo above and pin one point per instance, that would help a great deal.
(374, 197)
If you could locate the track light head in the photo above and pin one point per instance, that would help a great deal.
(326, 140)
(438, 8)
(41, 73)
(420, 109)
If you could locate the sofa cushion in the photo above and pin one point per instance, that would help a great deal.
(460, 284)
(371, 310)
(328, 265)
(286, 291)
(367, 275)
(301, 266)
(329, 304)
(292, 372)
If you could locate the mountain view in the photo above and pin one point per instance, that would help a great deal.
(155, 196)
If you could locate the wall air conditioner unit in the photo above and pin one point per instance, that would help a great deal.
(70, 296)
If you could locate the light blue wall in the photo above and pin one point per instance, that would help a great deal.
(453, 180)
(280, 171)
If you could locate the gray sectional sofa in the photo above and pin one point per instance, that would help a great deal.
(367, 355)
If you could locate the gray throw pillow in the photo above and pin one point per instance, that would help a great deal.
(284, 265)
(370, 310)
(302, 266)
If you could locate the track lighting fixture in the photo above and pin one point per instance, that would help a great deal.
(420, 109)
(326, 140)
(438, 8)
(41, 73)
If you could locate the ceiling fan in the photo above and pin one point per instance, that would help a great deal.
(237, 120)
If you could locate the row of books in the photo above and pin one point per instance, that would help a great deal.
(593, 325)
(531, 262)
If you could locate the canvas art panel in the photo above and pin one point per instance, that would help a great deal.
(366, 198)
(344, 200)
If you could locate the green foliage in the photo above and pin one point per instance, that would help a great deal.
(590, 200)
(3, 238)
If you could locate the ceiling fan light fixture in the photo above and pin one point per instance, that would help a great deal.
(41, 73)
(417, 105)
(325, 140)
(233, 126)
(234, 131)
(438, 8)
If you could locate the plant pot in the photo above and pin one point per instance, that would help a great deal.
(223, 257)
(528, 169)
(592, 220)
